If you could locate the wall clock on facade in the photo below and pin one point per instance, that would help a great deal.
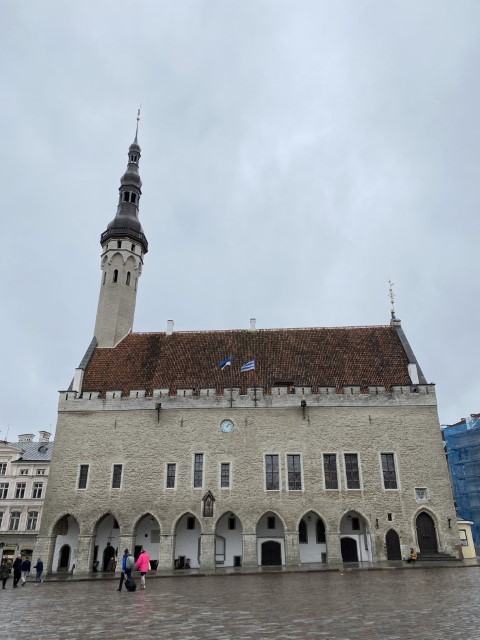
(226, 426)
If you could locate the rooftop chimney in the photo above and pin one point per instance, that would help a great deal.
(26, 437)
(253, 324)
(44, 436)
(169, 327)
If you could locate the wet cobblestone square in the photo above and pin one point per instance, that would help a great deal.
(349, 605)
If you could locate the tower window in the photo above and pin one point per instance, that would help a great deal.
(128, 278)
(133, 248)
(133, 197)
(133, 158)
(119, 244)
(104, 277)
(126, 196)
(115, 275)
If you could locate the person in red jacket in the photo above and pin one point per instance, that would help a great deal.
(143, 565)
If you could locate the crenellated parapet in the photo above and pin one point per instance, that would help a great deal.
(276, 397)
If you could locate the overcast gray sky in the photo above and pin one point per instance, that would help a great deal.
(295, 157)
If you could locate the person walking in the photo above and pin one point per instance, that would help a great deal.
(143, 565)
(25, 569)
(5, 572)
(124, 569)
(17, 571)
(39, 568)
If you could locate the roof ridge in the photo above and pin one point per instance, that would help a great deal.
(266, 330)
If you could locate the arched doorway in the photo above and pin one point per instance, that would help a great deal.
(393, 545)
(270, 529)
(147, 536)
(426, 534)
(271, 553)
(106, 536)
(64, 558)
(354, 527)
(187, 542)
(349, 550)
(312, 539)
(66, 532)
(229, 541)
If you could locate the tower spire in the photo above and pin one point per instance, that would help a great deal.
(123, 248)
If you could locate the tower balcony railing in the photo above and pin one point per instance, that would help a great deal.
(121, 232)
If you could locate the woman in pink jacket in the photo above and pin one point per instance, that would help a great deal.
(143, 565)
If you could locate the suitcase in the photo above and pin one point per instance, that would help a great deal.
(130, 584)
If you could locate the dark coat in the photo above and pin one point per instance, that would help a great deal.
(39, 566)
(26, 565)
(4, 570)
(17, 565)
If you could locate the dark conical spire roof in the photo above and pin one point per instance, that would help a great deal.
(126, 222)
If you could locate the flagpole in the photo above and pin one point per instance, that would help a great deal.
(231, 386)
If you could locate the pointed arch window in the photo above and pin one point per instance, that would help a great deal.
(208, 501)
(128, 278)
(115, 275)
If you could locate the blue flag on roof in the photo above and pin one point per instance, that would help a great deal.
(248, 366)
(225, 363)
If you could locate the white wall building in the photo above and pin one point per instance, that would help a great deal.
(24, 468)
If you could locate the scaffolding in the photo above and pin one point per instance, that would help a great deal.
(462, 445)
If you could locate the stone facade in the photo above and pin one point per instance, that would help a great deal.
(329, 450)
(133, 433)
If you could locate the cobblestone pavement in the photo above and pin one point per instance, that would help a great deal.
(425, 604)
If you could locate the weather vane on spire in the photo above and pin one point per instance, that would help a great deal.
(392, 298)
(138, 120)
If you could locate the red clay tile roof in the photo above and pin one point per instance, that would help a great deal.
(333, 357)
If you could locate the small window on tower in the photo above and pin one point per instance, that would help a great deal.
(133, 198)
(115, 275)
(119, 244)
(126, 196)
(104, 277)
(128, 278)
(133, 248)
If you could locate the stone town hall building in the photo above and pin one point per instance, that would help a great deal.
(329, 450)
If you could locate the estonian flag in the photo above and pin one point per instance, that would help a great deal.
(225, 363)
(248, 366)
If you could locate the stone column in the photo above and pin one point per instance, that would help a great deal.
(44, 549)
(167, 546)
(207, 551)
(84, 555)
(292, 552)
(249, 557)
(334, 552)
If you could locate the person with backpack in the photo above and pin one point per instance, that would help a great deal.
(143, 565)
(124, 569)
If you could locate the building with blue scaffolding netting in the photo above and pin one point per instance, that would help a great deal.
(462, 442)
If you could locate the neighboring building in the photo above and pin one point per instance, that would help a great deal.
(24, 467)
(462, 444)
(467, 545)
(329, 449)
